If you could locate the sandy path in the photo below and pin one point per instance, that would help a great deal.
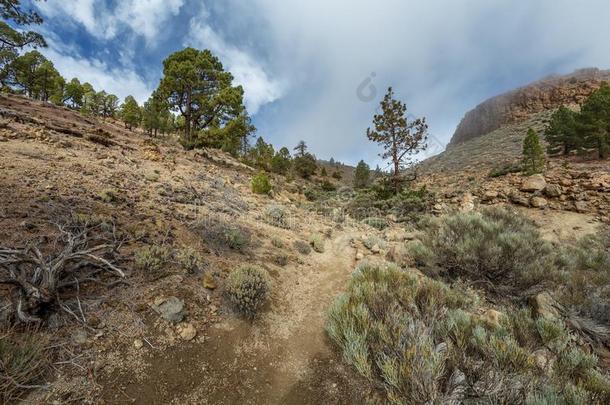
(277, 359)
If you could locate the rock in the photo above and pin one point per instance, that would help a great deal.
(518, 199)
(170, 309)
(187, 331)
(533, 183)
(553, 190)
(79, 337)
(467, 203)
(359, 255)
(490, 195)
(546, 306)
(138, 344)
(375, 249)
(581, 206)
(398, 254)
(538, 202)
(565, 182)
(208, 281)
(492, 318)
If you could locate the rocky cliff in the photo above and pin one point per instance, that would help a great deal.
(517, 105)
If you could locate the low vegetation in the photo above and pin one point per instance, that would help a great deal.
(277, 216)
(497, 249)
(247, 288)
(421, 342)
(261, 184)
(153, 261)
(23, 364)
(317, 243)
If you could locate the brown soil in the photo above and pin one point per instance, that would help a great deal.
(282, 357)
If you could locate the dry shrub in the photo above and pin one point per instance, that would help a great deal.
(247, 288)
(422, 343)
(153, 261)
(497, 248)
(23, 363)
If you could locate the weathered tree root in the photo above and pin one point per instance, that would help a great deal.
(37, 279)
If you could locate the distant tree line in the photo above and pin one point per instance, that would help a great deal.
(578, 132)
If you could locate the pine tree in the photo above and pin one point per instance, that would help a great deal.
(131, 113)
(399, 137)
(561, 133)
(323, 172)
(196, 85)
(362, 175)
(533, 154)
(594, 121)
(281, 162)
(301, 148)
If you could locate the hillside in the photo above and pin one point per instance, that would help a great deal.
(519, 104)
(182, 221)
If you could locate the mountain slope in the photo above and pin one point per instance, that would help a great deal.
(519, 104)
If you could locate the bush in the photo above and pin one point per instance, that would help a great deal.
(376, 222)
(222, 235)
(189, 259)
(421, 342)
(247, 289)
(328, 186)
(276, 216)
(317, 243)
(153, 260)
(302, 247)
(261, 184)
(498, 248)
(277, 242)
(504, 170)
(236, 239)
(23, 364)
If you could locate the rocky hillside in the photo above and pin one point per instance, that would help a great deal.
(519, 104)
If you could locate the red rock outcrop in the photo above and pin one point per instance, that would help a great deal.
(517, 105)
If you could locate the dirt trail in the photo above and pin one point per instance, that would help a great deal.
(277, 359)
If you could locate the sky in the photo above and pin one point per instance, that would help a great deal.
(316, 70)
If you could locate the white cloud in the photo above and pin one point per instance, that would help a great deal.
(259, 89)
(119, 81)
(143, 17)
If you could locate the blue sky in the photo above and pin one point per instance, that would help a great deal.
(316, 69)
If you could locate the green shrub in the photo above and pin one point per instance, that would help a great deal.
(375, 222)
(109, 195)
(153, 260)
(222, 235)
(317, 243)
(372, 240)
(276, 216)
(23, 364)
(421, 342)
(261, 184)
(328, 186)
(277, 242)
(247, 289)
(281, 259)
(498, 248)
(189, 259)
(236, 239)
(302, 247)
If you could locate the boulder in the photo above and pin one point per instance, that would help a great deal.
(359, 255)
(533, 183)
(170, 309)
(490, 195)
(187, 331)
(518, 199)
(538, 202)
(467, 203)
(545, 306)
(553, 190)
(581, 206)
